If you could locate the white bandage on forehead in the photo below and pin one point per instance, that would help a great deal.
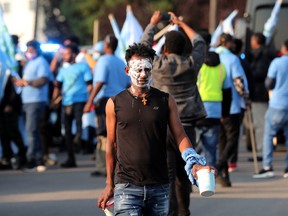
(138, 65)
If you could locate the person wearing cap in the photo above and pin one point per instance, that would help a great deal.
(176, 73)
(34, 95)
(230, 125)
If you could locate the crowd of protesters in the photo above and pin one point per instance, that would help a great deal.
(212, 87)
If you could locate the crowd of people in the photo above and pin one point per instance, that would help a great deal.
(159, 119)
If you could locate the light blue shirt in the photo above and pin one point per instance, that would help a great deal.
(36, 69)
(278, 70)
(110, 70)
(74, 86)
(233, 70)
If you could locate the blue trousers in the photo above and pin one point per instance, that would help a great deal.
(132, 200)
(33, 112)
(275, 119)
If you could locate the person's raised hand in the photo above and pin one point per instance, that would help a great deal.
(175, 19)
(156, 17)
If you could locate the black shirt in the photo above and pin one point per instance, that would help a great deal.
(141, 138)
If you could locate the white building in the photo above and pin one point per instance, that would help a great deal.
(19, 16)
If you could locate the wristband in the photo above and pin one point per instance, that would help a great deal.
(191, 157)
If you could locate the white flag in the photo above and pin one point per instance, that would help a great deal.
(271, 23)
(225, 26)
(131, 32)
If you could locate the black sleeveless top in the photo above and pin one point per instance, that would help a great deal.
(141, 138)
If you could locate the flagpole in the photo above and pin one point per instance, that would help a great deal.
(36, 19)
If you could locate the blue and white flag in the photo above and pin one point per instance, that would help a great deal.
(6, 46)
(131, 32)
(271, 23)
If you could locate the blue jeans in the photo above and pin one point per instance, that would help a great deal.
(132, 200)
(33, 112)
(275, 119)
(209, 136)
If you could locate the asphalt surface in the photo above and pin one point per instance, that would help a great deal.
(72, 192)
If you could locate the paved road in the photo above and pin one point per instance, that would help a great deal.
(59, 192)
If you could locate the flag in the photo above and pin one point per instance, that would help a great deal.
(6, 46)
(131, 32)
(271, 23)
(121, 47)
(224, 26)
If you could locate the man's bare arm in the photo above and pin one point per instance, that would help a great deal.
(110, 155)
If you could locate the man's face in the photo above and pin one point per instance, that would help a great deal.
(139, 69)
(68, 56)
(254, 43)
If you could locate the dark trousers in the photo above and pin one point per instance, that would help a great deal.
(180, 185)
(229, 138)
(45, 131)
(9, 131)
(101, 116)
(70, 112)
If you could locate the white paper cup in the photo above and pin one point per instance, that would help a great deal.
(206, 182)
(109, 210)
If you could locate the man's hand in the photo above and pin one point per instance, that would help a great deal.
(197, 167)
(175, 20)
(156, 17)
(87, 107)
(8, 109)
(107, 194)
(21, 82)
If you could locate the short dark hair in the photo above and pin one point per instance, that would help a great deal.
(224, 38)
(111, 41)
(212, 59)
(74, 39)
(15, 39)
(35, 44)
(140, 50)
(260, 38)
(175, 42)
(73, 47)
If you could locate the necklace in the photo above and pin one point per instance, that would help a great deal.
(144, 100)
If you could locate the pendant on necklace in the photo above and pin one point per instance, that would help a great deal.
(144, 101)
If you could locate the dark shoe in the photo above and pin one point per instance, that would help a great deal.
(32, 166)
(265, 173)
(97, 173)
(259, 158)
(5, 165)
(223, 178)
(69, 164)
(224, 181)
(285, 175)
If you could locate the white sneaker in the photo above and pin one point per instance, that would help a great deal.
(265, 173)
(40, 168)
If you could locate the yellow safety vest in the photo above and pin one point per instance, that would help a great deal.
(210, 81)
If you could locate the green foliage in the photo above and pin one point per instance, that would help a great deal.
(80, 14)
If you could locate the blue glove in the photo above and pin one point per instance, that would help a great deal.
(191, 157)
